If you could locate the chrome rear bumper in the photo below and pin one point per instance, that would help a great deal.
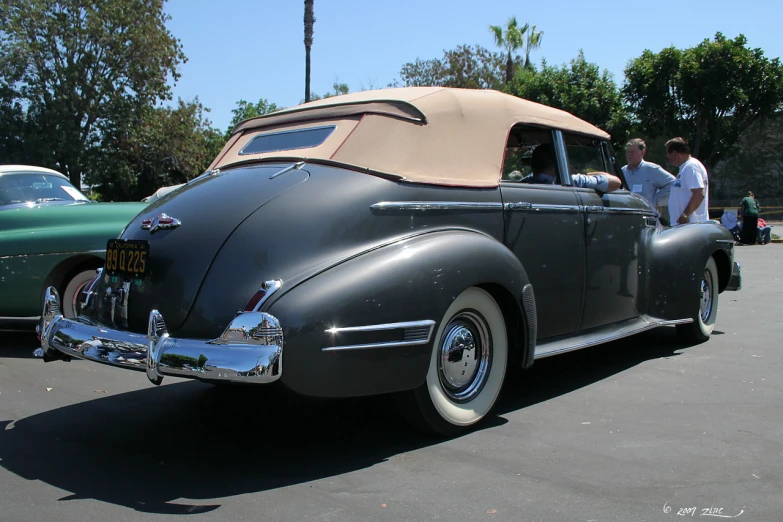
(735, 282)
(250, 349)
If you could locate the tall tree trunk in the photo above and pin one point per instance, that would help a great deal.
(509, 69)
(309, 22)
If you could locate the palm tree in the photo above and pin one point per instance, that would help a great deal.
(309, 22)
(510, 39)
(532, 42)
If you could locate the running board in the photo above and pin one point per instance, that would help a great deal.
(604, 334)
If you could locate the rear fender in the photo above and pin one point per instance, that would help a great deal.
(409, 281)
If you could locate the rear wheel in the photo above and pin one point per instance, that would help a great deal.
(72, 287)
(467, 367)
(704, 320)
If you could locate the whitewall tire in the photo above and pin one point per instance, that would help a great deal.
(704, 320)
(467, 366)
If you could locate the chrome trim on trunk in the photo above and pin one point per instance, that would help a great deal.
(294, 166)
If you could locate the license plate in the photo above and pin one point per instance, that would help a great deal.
(127, 258)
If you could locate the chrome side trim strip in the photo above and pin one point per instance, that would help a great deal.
(542, 207)
(377, 327)
(415, 333)
(435, 205)
(394, 344)
(647, 323)
(619, 210)
(54, 254)
(538, 207)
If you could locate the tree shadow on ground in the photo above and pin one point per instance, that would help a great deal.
(150, 449)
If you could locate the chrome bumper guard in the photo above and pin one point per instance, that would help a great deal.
(250, 349)
(735, 282)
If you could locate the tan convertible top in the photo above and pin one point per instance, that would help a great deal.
(423, 134)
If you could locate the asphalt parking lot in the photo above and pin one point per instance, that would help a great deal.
(643, 429)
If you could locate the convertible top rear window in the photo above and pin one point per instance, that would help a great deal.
(288, 140)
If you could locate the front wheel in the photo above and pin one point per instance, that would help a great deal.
(467, 367)
(704, 321)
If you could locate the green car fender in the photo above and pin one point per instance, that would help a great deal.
(42, 246)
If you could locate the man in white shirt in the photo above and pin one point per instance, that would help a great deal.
(689, 195)
(645, 178)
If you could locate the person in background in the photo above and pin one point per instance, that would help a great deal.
(690, 191)
(729, 221)
(647, 179)
(764, 234)
(749, 212)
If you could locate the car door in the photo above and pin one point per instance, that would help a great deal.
(543, 227)
(614, 226)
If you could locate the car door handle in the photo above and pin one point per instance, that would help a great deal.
(519, 206)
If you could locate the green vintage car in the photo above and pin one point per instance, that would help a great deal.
(50, 234)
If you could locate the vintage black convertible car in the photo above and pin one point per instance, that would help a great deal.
(387, 242)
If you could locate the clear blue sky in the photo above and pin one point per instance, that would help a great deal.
(252, 49)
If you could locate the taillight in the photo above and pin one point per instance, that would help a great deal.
(267, 289)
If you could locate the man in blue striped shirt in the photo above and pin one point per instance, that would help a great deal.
(647, 179)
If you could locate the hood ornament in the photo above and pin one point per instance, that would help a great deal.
(160, 222)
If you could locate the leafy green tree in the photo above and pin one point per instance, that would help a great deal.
(162, 146)
(709, 94)
(756, 163)
(578, 87)
(75, 68)
(309, 22)
(509, 38)
(466, 67)
(246, 110)
(533, 40)
(339, 88)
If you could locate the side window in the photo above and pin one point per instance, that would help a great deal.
(584, 154)
(519, 163)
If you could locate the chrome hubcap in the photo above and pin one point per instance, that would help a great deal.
(705, 305)
(464, 356)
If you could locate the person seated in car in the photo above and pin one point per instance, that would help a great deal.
(544, 167)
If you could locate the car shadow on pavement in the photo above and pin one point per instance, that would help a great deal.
(17, 345)
(173, 449)
(554, 376)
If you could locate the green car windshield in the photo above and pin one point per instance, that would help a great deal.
(36, 189)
